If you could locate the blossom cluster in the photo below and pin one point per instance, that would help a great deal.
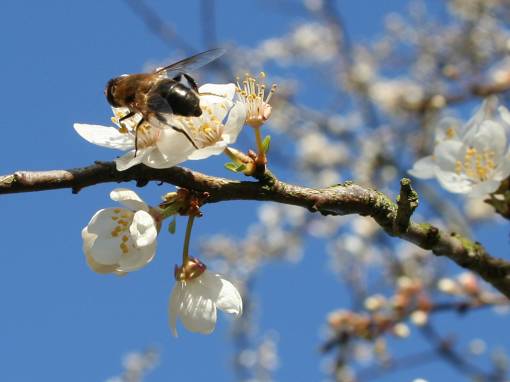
(124, 239)
(411, 302)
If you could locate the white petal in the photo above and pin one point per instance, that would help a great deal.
(88, 238)
(121, 110)
(98, 242)
(504, 114)
(143, 229)
(229, 300)
(156, 159)
(234, 123)
(174, 147)
(105, 136)
(482, 189)
(457, 183)
(484, 112)
(100, 268)
(219, 110)
(208, 151)
(129, 199)
(197, 309)
(503, 169)
(174, 306)
(129, 160)
(447, 154)
(136, 258)
(444, 129)
(424, 168)
(488, 136)
(224, 91)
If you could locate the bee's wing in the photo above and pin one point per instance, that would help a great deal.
(194, 62)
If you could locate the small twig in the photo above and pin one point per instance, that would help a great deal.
(446, 351)
(407, 202)
(406, 362)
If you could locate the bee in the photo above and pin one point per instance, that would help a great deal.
(160, 93)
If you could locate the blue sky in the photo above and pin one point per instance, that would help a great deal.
(59, 320)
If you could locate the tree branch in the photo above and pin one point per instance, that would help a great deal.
(342, 199)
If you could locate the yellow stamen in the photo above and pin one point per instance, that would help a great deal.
(477, 165)
(450, 133)
(253, 93)
(124, 248)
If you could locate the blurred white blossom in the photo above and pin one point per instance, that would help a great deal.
(474, 162)
(393, 94)
(136, 365)
(312, 42)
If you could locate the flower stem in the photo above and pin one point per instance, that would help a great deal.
(187, 236)
(262, 155)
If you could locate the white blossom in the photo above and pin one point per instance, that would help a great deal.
(311, 42)
(194, 302)
(149, 140)
(219, 125)
(120, 240)
(499, 73)
(159, 145)
(252, 93)
(315, 148)
(393, 94)
(473, 162)
(401, 330)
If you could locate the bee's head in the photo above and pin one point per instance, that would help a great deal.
(110, 92)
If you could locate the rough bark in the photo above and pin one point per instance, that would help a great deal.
(341, 199)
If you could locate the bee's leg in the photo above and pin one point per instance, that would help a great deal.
(191, 81)
(178, 129)
(136, 134)
(186, 135)
(128, 115)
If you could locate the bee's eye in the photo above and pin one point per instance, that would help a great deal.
(110, 91)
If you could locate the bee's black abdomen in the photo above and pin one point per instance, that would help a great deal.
(182, 100)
